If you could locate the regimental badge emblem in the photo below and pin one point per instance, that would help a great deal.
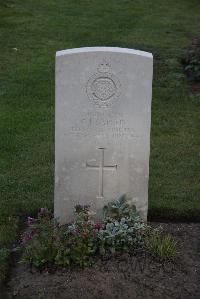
(103, 88)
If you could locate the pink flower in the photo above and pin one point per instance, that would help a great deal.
(26, 238)
(98, 226)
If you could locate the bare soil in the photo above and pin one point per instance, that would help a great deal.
(138, 276)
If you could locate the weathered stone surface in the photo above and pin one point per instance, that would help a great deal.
(103, 116)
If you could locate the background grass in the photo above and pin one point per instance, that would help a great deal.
(31, 32)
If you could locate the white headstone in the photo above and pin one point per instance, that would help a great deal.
(103, 117)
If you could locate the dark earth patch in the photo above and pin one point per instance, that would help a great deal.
(138, 276)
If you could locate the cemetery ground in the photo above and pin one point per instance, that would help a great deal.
(125, 276)
(31, 33)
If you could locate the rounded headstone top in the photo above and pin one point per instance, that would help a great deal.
(103, 49)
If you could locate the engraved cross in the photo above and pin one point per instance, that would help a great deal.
(101, 168)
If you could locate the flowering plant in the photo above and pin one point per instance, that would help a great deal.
(47, 243)
(38, 239)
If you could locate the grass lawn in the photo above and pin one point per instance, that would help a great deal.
(31, 32)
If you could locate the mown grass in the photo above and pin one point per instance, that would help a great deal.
(30, 33)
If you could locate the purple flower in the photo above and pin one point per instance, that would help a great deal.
(30, 221)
